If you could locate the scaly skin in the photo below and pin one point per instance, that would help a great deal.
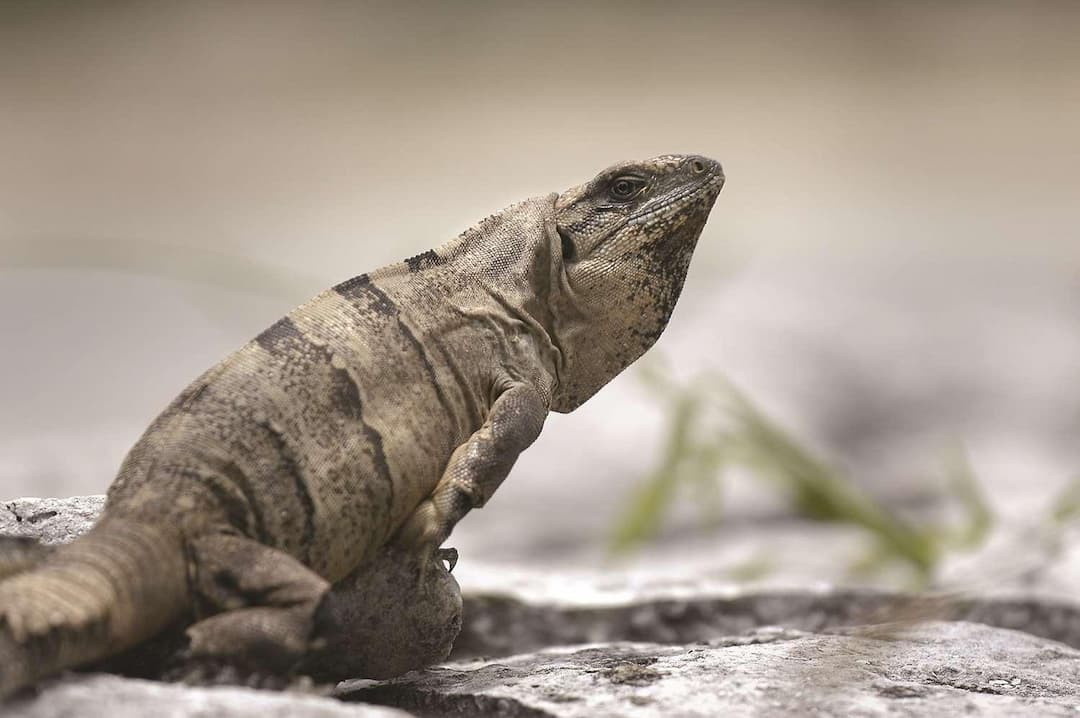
(382, 410)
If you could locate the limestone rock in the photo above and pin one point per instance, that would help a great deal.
(934, 669)
(506, 624)
(543, 643)
(391, 624)
(50, 521)
(114, 697)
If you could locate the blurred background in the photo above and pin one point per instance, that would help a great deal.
(879, 330)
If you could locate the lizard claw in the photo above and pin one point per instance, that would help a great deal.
(450, 555)
(425, 561)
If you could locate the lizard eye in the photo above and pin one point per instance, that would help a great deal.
(626, 187)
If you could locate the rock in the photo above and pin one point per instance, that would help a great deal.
(50, 521)
(390, 624)
(511, 610)
(935, 669)
(537, 642)
(115, 697)
(502, 625)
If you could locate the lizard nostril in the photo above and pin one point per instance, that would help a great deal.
(698, 166)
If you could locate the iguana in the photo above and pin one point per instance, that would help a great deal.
(381, 411)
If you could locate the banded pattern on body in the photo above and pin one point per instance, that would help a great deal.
(381, 411)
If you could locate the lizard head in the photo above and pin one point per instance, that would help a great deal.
(627, 237)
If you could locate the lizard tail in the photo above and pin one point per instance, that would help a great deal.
(121, 583)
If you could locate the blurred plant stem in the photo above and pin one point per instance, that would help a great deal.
(685, 458)
(1064, 512)
(1066, 507)
(713, 427)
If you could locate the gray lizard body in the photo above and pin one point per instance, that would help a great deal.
(382, 410)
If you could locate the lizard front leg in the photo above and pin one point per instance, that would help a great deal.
(477, 467)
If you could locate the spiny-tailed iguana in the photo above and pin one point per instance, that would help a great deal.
(382, 410)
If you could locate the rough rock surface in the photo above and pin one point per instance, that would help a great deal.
(115, 697)
(50, 521)
(541, 644)
(944, 669)
(390, 625)
(501, 625)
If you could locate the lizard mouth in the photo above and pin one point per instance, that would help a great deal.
(713, 182)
